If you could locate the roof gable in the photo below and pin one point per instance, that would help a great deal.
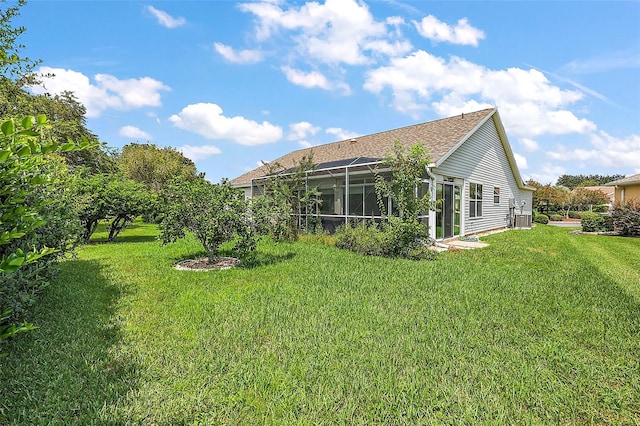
(442, 137)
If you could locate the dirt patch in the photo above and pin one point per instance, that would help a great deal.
(203, 264)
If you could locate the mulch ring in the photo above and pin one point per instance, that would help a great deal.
(203, 264)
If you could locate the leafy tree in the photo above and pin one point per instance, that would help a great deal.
(287, 198)
(214, 213)
(572, 181)
(110, 197)
(12, 64)
(584, 198)
(408, 235)
(156, 167)
(408, 168)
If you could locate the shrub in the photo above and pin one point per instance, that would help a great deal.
(601, 208)
(556, 217)
(541, 218)
(574, 215)
(396, 238)
(596, 222)
(626, 218)
(215, 213)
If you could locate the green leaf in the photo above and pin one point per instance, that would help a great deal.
(7, 127)
(69, 146)
(28, 122)
(41, 120)
(25, 151)
(4, 154)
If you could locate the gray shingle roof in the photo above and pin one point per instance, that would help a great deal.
(440, 136)
(629, 180)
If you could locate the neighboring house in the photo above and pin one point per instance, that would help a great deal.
(473, 172)
(606, 190)
(626, 188)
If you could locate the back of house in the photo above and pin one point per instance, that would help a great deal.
(472, 173)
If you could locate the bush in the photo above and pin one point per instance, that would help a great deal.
(541, 218)
(596, 222)
(395, 238)
(214, 213)
(574, 215)
(556, 217)
(602, 208)
(626, 218)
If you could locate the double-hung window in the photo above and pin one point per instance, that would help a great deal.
(496, 195)
(475, 200)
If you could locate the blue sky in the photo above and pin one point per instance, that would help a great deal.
(233, 83)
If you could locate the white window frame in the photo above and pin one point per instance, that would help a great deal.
(475, 201)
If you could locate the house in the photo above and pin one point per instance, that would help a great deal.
(626, 188)
(473, 174)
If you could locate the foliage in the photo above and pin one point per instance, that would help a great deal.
(156, 167)
(596, 222)
(548, 199)
(12, 64)
(36, 211)
(532, 330)
(288, 198)
(110, 197)
(408, 169)
(214, 213)
(540, 218)
(556, 217)
(626, 217)
(573, 181)
(392, 239)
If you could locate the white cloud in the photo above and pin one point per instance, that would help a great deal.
(134, 133)
(463, 33)
(108, 92)
(521, 160)
(196, 153)
(240, 56)
(335, 32)
(529, 104)
(305, 144)
(605, 151)
(207, 120)
(165, 19)
(301, 130)
(341, 134)
(314, 79)
(529, 144)
(548, 173)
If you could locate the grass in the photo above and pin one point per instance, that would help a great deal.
(541, 327)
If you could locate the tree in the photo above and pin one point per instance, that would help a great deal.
(110, 197)
(572, 181)
(214, 213)
(408, 235)
(408, 168)
(287, 198)
(12, 64)
(156, 167)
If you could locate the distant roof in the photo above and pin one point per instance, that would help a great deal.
(629, 180)
(440, 136)
(609, 191)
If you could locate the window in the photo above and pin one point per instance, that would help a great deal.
(496, 195)
(475, 200)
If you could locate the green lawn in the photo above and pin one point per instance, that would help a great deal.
(541, 327)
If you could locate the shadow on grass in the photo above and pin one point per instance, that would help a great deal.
(122, 239)
(69, 369)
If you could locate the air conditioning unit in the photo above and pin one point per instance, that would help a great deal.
(522, 221)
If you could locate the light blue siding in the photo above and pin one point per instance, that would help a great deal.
(482, 159)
